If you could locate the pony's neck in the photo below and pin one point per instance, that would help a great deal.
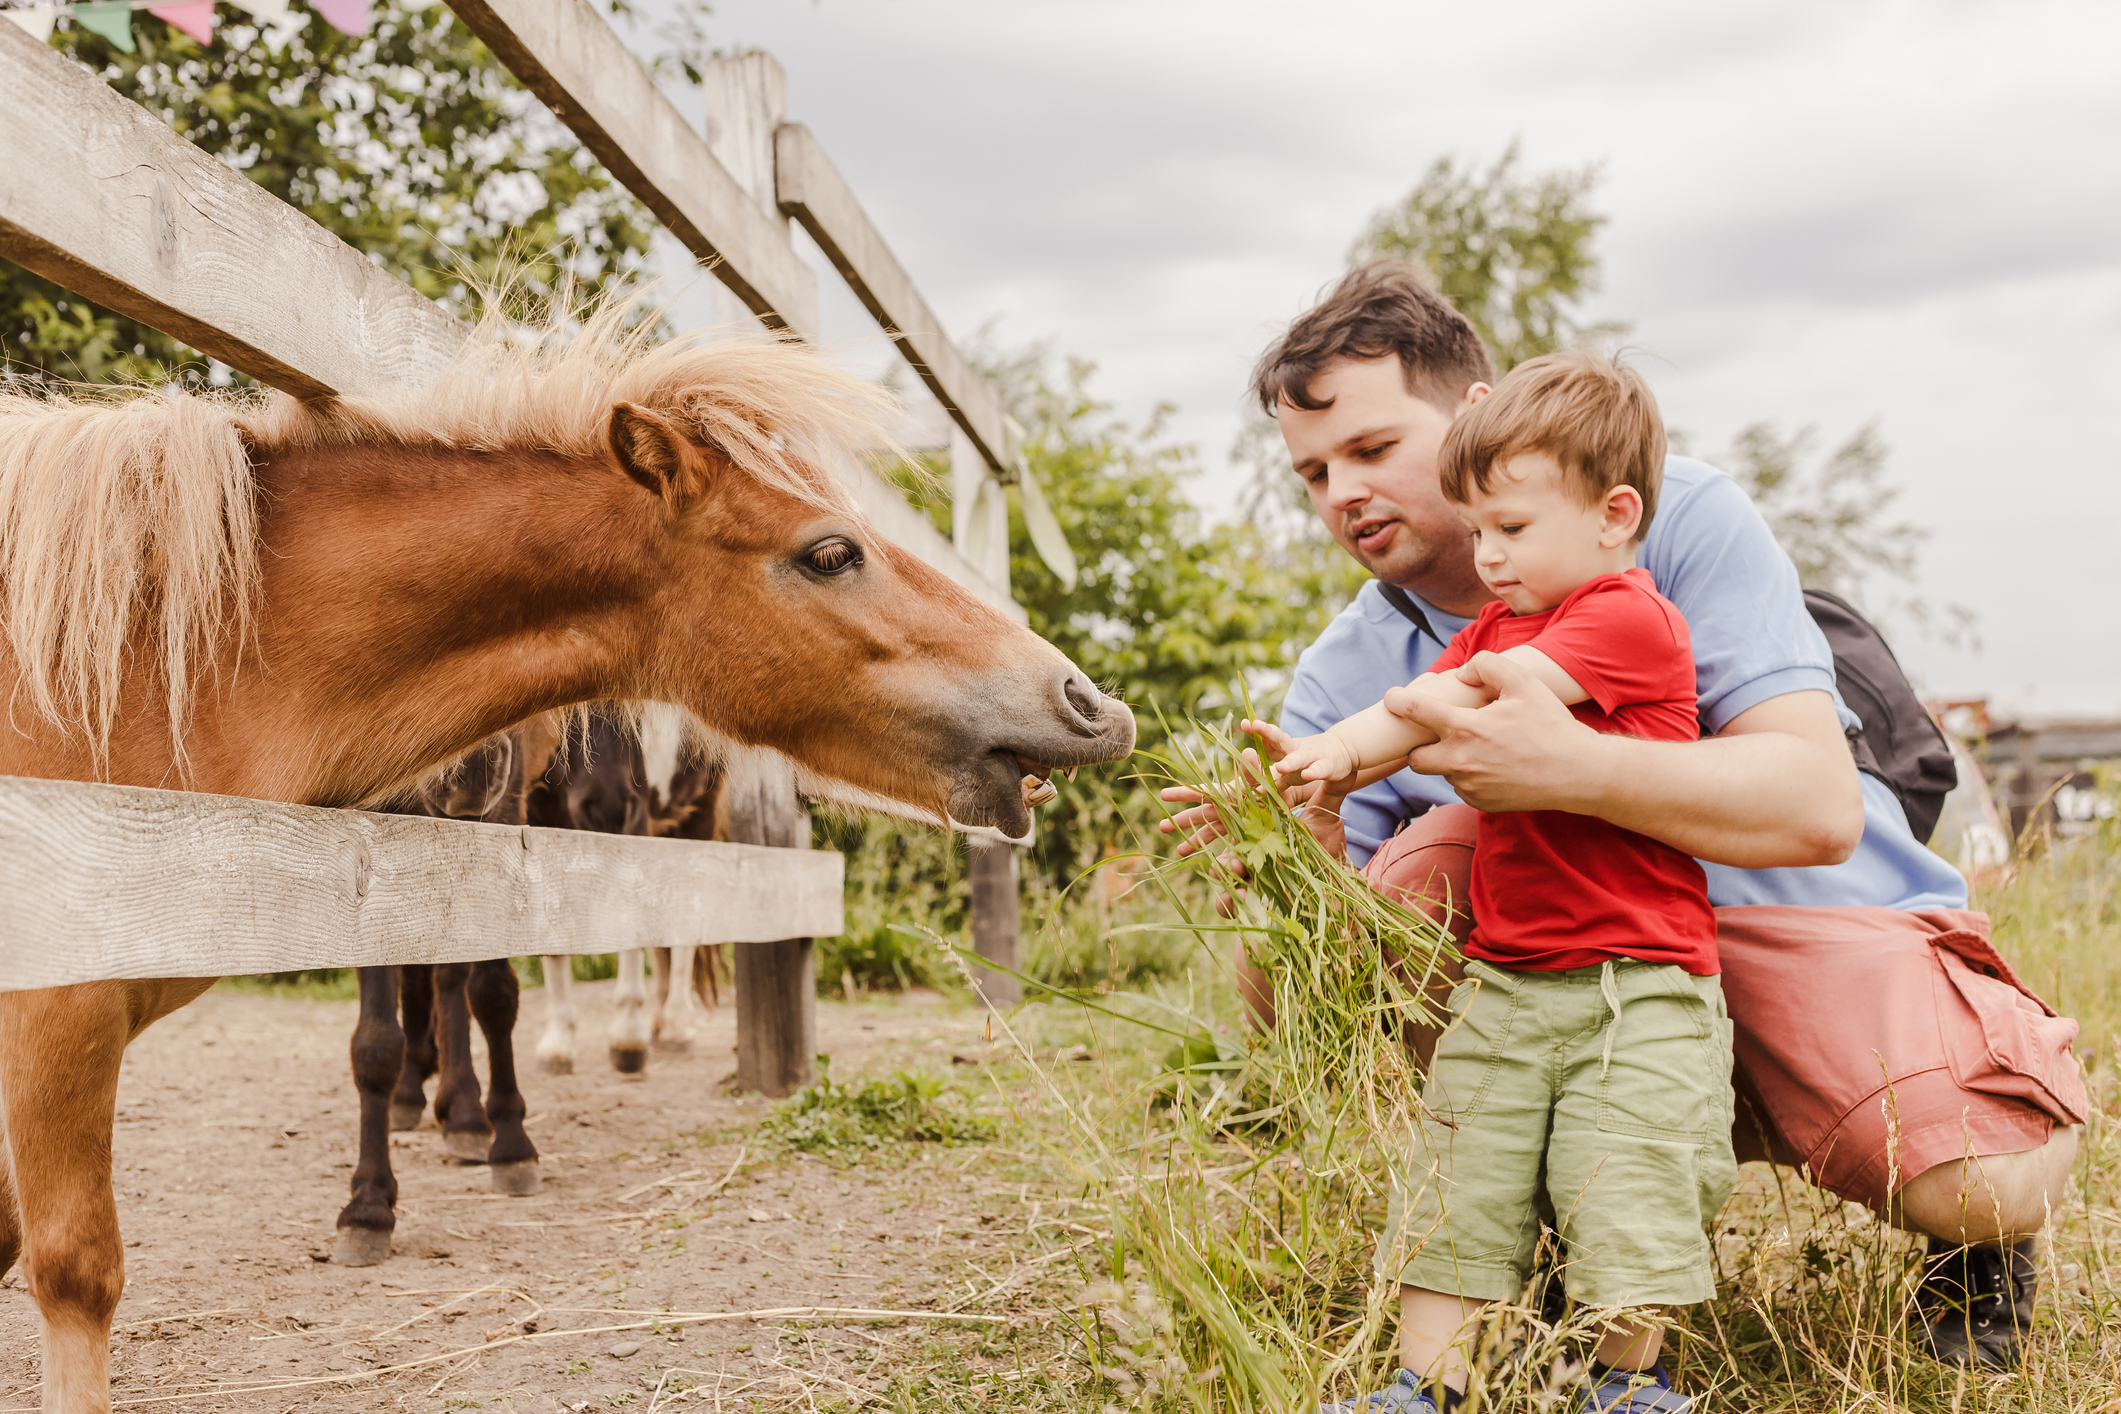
(413, 602)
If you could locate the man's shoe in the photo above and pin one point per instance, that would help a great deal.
(1403, 1396)
(1975, 1304)
(1650, 1391)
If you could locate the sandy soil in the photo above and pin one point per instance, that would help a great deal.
(235, 1142)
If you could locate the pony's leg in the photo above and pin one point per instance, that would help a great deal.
(707, 970)
(629, 1024)
(494, 995)
(658, 992)
(409, 1103)
(679, 1006)
(556, 1046)
(466, 1136)
(59, 1056)
(366, 1222)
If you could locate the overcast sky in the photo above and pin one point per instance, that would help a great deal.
(1821, 214)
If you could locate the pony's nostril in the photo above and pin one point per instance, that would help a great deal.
(1083, 698)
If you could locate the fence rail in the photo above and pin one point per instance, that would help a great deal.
(101, 882)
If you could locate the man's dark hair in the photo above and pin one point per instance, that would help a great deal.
(1379, 308)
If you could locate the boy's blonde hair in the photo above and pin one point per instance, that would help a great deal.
(1590, 413)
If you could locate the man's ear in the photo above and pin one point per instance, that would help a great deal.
(1473, 395)
(649, 450)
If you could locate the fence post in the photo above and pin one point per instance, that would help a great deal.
(776, 983)
(994, 922)
(746, 101)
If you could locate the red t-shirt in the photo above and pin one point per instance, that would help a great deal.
(1554, 890)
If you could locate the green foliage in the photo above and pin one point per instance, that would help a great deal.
(1835, 520)
(410, 142)
(829, 1118)
(1512, 252)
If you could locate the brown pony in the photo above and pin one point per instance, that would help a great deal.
(322, 602)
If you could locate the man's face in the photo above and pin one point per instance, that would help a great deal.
(1368, 460)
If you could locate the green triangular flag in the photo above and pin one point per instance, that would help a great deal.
(113, 19)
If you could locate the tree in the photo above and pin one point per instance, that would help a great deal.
(1836, 521)
(1514, 254)
(411, 142)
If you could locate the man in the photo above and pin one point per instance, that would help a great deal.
(1836, 925)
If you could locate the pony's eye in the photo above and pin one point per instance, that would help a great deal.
(832, 557)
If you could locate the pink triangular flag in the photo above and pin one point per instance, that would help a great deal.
(346, 16)
(194, 17)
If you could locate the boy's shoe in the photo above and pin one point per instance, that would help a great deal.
(1403, 1396)
(1648, 1391)
(1975, 1303)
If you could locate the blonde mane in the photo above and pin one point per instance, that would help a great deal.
(130, 517)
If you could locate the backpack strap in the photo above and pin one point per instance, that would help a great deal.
(1404, 602)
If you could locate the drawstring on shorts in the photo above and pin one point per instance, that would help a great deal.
(1610, 989)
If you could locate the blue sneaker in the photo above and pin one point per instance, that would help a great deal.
(1403, 1396)
(1634, 1392)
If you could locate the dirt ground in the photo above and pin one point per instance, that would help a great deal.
(236, 1139)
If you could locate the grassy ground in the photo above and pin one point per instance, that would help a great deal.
(1203, 1207)
(1228, 1244)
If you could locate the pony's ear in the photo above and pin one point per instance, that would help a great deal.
(649, 449)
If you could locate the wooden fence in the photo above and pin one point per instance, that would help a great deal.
(98, 195)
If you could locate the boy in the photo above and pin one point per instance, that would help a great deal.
(1589, 1061)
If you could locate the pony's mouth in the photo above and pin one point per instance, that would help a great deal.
(1038, 781)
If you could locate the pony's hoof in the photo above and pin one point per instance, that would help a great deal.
(468, 1146)
(360, 1247)
(630, 1059)
(517, 1180)
(404, 1117)
(556, 1065)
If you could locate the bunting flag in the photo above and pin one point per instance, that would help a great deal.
(194, 17)
(345, 16)
(37, 23)
(113, 19)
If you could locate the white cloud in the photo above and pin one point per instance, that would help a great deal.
(1821, 212)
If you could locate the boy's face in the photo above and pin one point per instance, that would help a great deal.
(1535, 543)
(1368, 462)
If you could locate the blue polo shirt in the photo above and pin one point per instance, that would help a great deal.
(1711, 554)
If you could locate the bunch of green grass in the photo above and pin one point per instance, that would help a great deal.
(1247, 1190)
(909, 1107)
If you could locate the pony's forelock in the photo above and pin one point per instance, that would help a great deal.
(776, 409)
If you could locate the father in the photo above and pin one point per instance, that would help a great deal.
(1880, 1040)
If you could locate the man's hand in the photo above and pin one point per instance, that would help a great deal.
(1523, 751)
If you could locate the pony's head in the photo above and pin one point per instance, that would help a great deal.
(787, 622)
(714, 481)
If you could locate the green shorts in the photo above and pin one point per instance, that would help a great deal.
(1543, 1103)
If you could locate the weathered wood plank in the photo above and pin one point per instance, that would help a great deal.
(104, 881)
(98, 195)
(812, 190)
(901, 524)
(776, 983)
(565, 53)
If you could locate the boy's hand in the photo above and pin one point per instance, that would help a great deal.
(1324, 757)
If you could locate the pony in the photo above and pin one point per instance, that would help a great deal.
(646, 781)
(320, 602)
(391, 1062)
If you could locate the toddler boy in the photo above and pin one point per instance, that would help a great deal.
(1587, 1072)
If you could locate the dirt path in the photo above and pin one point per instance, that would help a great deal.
(235, 1143)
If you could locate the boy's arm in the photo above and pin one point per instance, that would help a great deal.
(1375, 737)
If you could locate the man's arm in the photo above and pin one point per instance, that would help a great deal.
(1775, 789)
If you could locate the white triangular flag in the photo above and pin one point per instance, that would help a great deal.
(37, 23)
(263, 9)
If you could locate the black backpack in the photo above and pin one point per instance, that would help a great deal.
(1899, 742)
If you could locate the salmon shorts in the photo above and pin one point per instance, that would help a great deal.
(1871, 1043)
